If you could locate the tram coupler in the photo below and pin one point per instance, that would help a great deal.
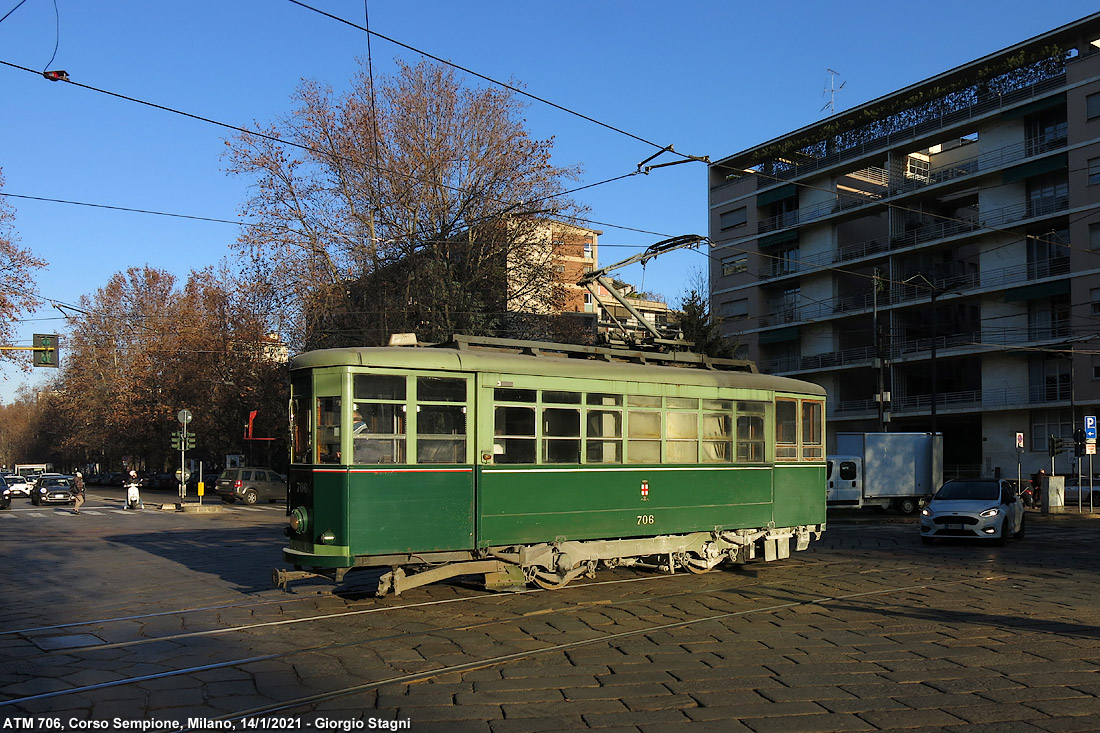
(281, 578)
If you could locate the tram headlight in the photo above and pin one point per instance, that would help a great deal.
(299, 520)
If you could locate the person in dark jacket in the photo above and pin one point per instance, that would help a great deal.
(78, 492)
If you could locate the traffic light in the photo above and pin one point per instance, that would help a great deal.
(1055, 446)
(46, 352)
(190, 441)
(1078, 442)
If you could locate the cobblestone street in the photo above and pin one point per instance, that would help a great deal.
(166, 616)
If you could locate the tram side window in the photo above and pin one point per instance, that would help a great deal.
(328, 430)
(603, 428)
(813, 431)
(440, 428)
(379, 427)
(514, 434)
(717, 431)
(750, 432)
(561, 435)
(786, 430)
(643, 429)
(682, 435)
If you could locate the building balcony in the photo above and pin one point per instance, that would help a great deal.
(912, 134)
(901, 350)
(1008, 398)
(903, 294)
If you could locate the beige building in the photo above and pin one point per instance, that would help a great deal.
(932, 257)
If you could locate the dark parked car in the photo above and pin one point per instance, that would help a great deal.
(5, 494)
(52, 488)
(250, 484)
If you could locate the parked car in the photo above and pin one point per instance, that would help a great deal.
(1089, 490)
(209, 481)
(52, 488)
(18, 485)
(5, 495)
(974, 509)
(250, 485)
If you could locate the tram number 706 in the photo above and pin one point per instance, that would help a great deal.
(645, 519)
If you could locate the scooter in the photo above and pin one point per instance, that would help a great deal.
(133, 496)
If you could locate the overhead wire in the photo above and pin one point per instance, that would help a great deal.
(517, 90)
(17, 6)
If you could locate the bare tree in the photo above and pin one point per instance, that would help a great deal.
(19, 295)
(409, 204)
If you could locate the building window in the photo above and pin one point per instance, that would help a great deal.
(1094, 171)
(1047, 194)
(588, 248)
(784, 262)
(735, 264)
(1094, 236)
(918, 167)
(1094, 298)
(1044, 423)
(733, 219)
(736, 308)
(1092, 106)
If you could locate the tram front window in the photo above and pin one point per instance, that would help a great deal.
(378, 419)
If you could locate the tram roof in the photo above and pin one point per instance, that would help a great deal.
(460, 360)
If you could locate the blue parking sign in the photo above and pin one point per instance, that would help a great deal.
(1090, 427)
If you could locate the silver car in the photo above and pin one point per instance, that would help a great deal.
(973, 509)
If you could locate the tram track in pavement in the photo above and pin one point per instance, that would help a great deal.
(756, 587)
(982, 573)
(321, 595)
(345, 613)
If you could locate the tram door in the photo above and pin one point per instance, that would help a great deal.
(411, 479)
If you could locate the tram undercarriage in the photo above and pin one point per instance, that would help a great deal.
(554, 565)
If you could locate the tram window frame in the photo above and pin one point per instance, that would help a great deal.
(515, 447)
(301, 419)
(439, 395)
(600, 446)
(786, 429)
(716, 446)
(681, 433)
(641, 439)
(813, 424)
(750, 432)
(328, 429)
(561, 433)
(380, 401)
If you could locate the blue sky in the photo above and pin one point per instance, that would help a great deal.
(712, 78)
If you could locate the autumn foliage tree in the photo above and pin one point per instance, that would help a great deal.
(142, 349)
(406, 204)
(19, 295)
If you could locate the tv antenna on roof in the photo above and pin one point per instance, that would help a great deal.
(831, 90)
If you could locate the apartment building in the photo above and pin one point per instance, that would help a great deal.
(932, 257)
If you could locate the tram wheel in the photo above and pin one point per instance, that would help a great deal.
(697, 571)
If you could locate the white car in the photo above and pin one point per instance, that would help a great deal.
(18, 485)
(973, 509)
(1088, 495)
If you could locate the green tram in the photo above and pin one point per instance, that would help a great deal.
(534, 462)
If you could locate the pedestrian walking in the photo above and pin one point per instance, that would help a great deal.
(78, 492)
